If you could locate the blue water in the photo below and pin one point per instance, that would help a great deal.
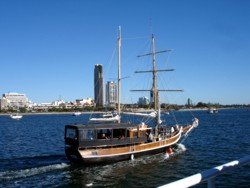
(32, 153)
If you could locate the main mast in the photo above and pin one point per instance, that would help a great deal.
(154, 90)
(154, 87)
(119, 73)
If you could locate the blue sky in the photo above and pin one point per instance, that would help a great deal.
(48, 48)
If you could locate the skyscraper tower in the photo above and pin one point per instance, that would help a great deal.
(98, 85)
(111, 93)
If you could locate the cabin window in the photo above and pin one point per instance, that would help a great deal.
(119, 133)
(104, 134)
(86, 134)
(71, 133)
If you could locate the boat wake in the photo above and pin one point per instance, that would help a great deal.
(27, 162)
(98, 174)
(24, 173)
(180, 148)
(23, 167)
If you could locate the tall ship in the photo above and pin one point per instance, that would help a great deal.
(104, 142)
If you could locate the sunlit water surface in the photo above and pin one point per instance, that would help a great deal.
(32, 153)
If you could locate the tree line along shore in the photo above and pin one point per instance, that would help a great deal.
(125, 107)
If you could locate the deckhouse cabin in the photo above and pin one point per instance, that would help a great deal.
(105, 135)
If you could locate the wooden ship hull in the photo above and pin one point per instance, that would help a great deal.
(105, 156)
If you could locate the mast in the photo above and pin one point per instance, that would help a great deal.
(154, 90)
(119, 72)
(154, 87)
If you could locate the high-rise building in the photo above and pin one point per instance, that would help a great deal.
(111, 93)
(98, 85)
(189, 102)
(143, 101)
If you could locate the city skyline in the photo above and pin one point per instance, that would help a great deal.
(48, 49)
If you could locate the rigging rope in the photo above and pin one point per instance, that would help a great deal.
(132, 38)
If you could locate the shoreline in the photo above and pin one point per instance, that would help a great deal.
(51, 113)
(101, 112)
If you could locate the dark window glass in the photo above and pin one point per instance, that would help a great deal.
(119, 133)
(104, 134)
(71, 133)
(87, 134)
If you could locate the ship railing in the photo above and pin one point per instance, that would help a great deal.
(208, 175)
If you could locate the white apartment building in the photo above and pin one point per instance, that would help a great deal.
(143, 101)
(84, 102)
(14, 100)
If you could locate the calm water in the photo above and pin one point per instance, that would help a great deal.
(32, 153)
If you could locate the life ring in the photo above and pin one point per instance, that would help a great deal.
(169, 151)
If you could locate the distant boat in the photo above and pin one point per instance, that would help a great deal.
(77, 113)
(108, 115)
(106, 118)
(16, 116)
(167, 112)
(213, 111)
(152, 114)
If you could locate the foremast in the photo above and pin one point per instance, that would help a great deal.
(119, 74)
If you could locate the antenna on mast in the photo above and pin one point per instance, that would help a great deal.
(150, 26)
